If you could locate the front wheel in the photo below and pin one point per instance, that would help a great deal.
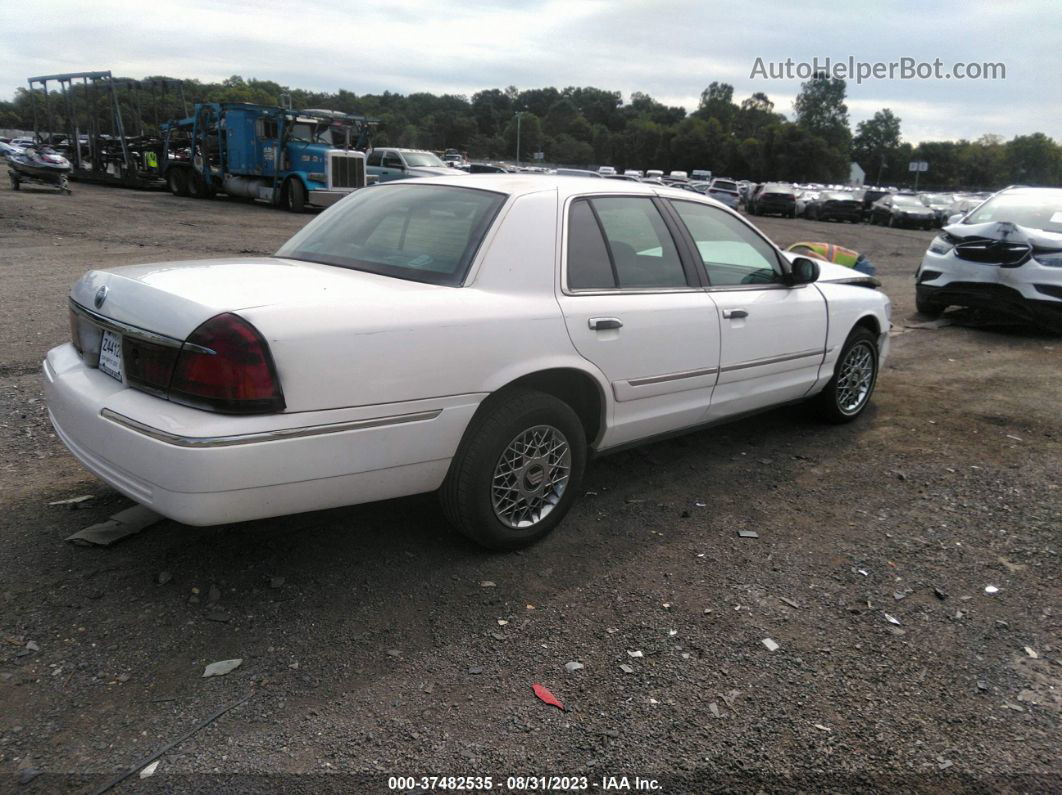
(295, 196)
(927, 307)
(848, 392)
(517, 471)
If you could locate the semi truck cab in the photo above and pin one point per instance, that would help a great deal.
(285, 157)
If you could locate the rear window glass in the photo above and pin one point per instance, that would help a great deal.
(641, 246)
(589, 266)
(621, 242)
(427, 233)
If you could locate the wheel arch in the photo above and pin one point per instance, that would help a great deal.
(576, 386)
(869, 322)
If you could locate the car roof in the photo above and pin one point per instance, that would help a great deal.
(565, 186)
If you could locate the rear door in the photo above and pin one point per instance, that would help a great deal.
(635, 307)
(772, 336)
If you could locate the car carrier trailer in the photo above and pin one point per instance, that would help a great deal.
(81, 118)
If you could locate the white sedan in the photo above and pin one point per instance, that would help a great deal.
(481, 336)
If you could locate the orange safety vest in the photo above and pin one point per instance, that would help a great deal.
(827, 251)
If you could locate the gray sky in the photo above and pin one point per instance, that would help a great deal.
(670, 49)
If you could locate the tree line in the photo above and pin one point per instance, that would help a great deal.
(587, 127)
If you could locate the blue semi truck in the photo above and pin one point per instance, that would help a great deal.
(290, 158)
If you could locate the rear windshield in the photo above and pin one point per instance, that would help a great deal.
(907, 201)
(720, 184)
(426, 233)
(1034, 209)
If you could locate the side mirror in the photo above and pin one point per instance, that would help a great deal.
(803, 271)
(954, 219)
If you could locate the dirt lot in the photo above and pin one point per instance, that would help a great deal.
(372, 647)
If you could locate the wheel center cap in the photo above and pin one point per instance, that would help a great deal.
(534, 475)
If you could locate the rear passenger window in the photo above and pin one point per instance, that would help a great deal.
(589, 267)
(621, 242)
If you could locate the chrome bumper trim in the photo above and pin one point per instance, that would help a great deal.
(201, 442)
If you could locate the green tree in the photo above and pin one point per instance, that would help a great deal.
(821, 109)
(876, 140)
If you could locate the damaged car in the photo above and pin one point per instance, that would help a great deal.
(1006, 255)
(482, 338)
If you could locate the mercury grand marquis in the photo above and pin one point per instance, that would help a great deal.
(482, 337)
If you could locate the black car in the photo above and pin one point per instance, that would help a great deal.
(902, 210)
(487, 168)
(774, 198)
(835, 206)
(869, 196)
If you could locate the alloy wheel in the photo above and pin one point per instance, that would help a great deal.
(531, 476)
(856, 378)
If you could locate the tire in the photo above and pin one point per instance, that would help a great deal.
(847, 394)
(177, 181)
(197, 187)
(927, 307)
(470, 498)
(295, 196)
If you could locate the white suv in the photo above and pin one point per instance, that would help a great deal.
(1005, 255)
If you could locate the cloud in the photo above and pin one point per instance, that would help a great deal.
(670, 49)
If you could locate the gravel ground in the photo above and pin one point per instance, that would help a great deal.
(376, 643)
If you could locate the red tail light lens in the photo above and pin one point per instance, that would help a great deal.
(225, 366)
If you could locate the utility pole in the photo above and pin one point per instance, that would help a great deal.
(518, 138)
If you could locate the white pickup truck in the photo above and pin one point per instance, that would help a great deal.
(389, 164)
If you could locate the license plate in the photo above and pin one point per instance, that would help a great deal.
(111, 354)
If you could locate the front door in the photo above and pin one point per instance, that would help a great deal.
(638, 312)
(773, 336)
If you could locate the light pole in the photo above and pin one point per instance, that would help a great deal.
(518, 138)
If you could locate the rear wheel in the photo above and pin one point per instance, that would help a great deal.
(177, 181)
(856, 373)
(198, 188)
(517, 471)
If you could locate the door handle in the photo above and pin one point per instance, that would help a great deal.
(604, 323)
(734, 314)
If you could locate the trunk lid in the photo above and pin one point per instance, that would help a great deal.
(174, 298)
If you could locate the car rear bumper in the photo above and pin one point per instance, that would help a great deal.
(844, 215)
(781, 208)
(201, 468)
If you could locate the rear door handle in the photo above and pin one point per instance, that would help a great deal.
(734, 314)
(604, 323)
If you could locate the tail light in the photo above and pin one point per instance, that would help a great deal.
(225, 366)
(75, 332)
(148, 365)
